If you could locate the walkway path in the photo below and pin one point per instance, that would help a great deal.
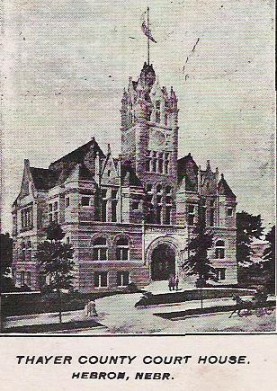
(119, 315)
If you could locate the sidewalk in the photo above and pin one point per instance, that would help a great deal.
(119, 315)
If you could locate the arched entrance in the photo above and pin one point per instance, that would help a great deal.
(162, 262)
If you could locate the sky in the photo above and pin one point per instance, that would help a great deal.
(67, 62)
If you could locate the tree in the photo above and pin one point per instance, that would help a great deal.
(269, 266)
(248, 228)
(6, 244)
(198, 262)
(55, 259)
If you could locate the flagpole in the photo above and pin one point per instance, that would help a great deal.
(148, 40)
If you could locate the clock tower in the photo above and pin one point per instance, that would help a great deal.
(149, 138)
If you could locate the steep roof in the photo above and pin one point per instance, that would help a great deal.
(77, 155)
(46, 178)
(188, 169)
(128, 174)
(43, 178)
(224, 188)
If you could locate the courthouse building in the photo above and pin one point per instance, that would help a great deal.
(129, 218)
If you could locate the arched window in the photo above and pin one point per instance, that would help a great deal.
(100, 249)
(122, 249)
(220, 249)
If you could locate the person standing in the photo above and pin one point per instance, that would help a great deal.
(91, 310)
(171, 282)
(176, 284)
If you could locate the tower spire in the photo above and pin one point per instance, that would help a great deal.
(146, 30)
(148, 39)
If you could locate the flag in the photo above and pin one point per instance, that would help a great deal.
(146, 30)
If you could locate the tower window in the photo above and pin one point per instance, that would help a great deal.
(220, 249)
(154, 161)
(159, 214)
(191, 214)
(148, 161)
(161, 162)
(104, 202)
(114, 205)
(167, 219)
(166, 163)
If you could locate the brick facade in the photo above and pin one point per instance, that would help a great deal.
(128, 218)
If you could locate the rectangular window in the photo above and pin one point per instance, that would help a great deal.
(154, 162)
(159, 214)
(104, 205)
(100, 253)
(135, 205)
(147, 164)
(67, 202)
(27, 218)
(220, 253)
(191, 214)
(101, 279)
(167, 215)
(56, 217)
(161, 163)
(230, 212)
(114, 205)
(220, 273)
(122, 253)
(28, 278)
(14, 224)
(122, 278)
(85, 201)
(212, 217)
(56, 205)
(22, 278)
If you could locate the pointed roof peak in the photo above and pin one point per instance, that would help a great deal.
(224, 188)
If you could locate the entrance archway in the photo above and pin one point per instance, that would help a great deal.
(162, 262)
